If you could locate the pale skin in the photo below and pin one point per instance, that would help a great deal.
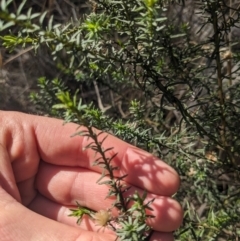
(44, 171)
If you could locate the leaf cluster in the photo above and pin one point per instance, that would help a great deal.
(155, 85)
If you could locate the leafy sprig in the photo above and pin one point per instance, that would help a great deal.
(131, 222)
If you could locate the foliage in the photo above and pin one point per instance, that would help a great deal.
(131, 221)
(157, 86)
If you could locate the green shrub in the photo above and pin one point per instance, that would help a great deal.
(158, 82)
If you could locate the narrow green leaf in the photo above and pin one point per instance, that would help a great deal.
(59, 106)
(19, 10)
(4, 5)
(41, 19)
(50, 23)
(35, 15)
(7, 25)
(21, 17)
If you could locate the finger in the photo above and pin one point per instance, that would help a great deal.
(18, 139)
(19, 223)
(7, 180)
(60, 213)
(66, 185)
(162, 237)
(51, 139)
(28, 138)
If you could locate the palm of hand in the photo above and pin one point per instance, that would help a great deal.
(47, 172)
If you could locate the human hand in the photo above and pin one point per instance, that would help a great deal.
(43, 172)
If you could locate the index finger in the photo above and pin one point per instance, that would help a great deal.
(56, 146)
(143, 169)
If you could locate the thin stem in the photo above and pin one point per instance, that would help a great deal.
(223, 126)
(229, 61)
(219, 76)
(108, 167)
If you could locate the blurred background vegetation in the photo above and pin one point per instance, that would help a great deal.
(162, 75)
